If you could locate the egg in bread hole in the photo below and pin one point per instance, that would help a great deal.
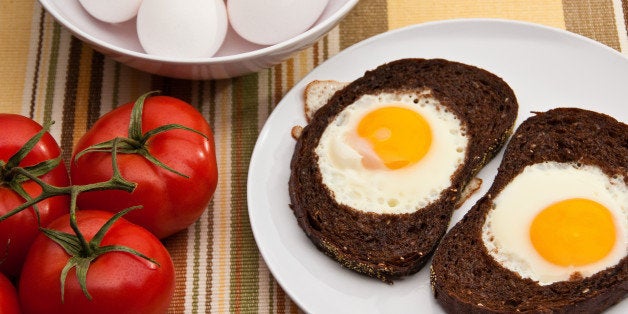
(558, 222)
(391, 152)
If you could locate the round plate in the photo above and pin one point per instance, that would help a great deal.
(545, 67)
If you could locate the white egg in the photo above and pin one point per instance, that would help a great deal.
(182, 29)
(268, 22)
(353, 170)
(112, 11)
(507, 234)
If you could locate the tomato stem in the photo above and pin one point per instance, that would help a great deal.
(76, 245)
(137, 142)
(12, 176)
(82, 252)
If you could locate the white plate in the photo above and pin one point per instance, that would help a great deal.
(545, 67)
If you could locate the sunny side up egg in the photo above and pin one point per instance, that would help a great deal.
(391, 152)
(558, 221)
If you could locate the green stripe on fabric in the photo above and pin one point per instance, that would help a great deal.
(365, 20)
(271, 293)
(196, 265)
(52, 71)
(269, 89)
(244, 296)
(594, 19)
(211, 118)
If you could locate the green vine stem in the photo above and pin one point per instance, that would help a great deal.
(13, 179)
(136, 141)
(81, 252)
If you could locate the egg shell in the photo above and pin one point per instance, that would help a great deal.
(182, 29)
(268, 22)
(112, 11)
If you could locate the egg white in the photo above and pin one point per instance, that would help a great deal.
(505, 232)
(404, 190)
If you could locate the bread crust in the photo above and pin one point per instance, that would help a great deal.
(466, 279)
(387, 246)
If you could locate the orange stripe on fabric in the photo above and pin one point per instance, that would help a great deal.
(15, 26)
(407, 12)
(368, 18)
(177, 248)
(594, 19)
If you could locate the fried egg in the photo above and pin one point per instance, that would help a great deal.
(558, 222)
(391, 152)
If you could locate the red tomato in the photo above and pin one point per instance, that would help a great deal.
(18, 232)
(8, 297)
(118, 282)
(170, 201)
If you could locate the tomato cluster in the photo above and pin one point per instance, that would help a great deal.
(89, 241)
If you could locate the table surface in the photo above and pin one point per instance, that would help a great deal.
(46, 73)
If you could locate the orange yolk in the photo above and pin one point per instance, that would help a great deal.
(573, 232)
(398, 136)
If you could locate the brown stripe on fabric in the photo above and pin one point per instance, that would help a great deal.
(278, 86)
(69, 98)
(95, 89)
(593, 19)
(116, 86)
(281, 300)
(368, 18)
(177, 88)
(289, 74)
(294, 309)
(624, 6)
(177, 246)
(315, 54)
(40, 43)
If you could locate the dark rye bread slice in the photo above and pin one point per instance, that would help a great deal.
(389, 245)
(464, 277)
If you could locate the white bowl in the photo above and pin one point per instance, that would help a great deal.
(236, 56)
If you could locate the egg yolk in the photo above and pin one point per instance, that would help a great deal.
(399, 136)
(573, 232)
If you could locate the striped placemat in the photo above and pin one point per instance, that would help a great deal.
(47, 74)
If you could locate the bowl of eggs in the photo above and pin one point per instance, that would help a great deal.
(199, 39)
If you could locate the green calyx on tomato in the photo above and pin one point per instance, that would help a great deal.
(81, 251)
(136, 142)
(12, 176)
